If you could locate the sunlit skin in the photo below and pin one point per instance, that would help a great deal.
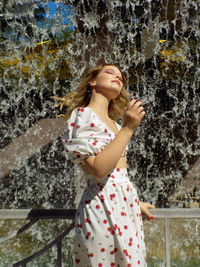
(108, 82)
(106, 86)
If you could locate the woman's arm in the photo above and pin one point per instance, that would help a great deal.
(107, 159)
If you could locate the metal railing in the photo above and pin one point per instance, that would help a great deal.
(34, 215)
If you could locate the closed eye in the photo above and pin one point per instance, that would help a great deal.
(112, 72)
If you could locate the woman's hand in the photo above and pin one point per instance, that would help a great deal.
(144, 207)
(133, 114)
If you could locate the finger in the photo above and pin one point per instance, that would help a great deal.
(140, 109)
(151, 206)
(131, 103)
(148, 214)
(138, 103)
(141, 115)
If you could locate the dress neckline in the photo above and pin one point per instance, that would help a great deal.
(103, 121)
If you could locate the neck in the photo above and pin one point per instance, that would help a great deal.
(99, 103)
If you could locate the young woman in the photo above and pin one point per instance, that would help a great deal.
(109, 230)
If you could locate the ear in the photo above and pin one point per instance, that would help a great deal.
(92, 83)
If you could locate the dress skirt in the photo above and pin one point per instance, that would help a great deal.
(109, 229)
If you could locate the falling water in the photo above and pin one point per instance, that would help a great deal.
(46, 47)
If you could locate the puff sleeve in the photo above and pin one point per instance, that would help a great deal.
(85, 136)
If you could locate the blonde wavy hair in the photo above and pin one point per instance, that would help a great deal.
(81, 97)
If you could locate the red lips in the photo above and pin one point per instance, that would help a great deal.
(116, 81)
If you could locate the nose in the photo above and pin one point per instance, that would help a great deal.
(119, 77)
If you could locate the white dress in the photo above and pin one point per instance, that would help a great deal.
(109, 229)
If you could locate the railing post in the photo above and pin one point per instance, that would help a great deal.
(59, 253)
(167, 243)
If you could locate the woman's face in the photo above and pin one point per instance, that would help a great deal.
(108, 82)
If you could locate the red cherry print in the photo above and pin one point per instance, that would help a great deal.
(102, 249)
(129, 265)
(118, 169)
(138, 246)
(115, 227)
(68, 130)
(125, 198)
(125, 227)
(97, 206)
(116, 249)
(100, 265)
(112, 196)
(130, 244)
(88, 234)
(81, 109)
(78, 126)
(112, 264)
(112, 232)
(79, 245)
(109, 229)
(131, 239)
(92, 124)
(120, 233)
(66, 140)
(114, 184)
(72, 124)
(77, 260)
(131, 205)
(123, 213)
(125, 252)
(112, 252)
(90, 255)
(101, 187)
(105, 130)
(138, 262)
(109, 212)
(104, 221)
(102, 198)
(94, 143)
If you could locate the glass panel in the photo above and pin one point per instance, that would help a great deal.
(185, 242)
(32, 240)
(155, 242)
